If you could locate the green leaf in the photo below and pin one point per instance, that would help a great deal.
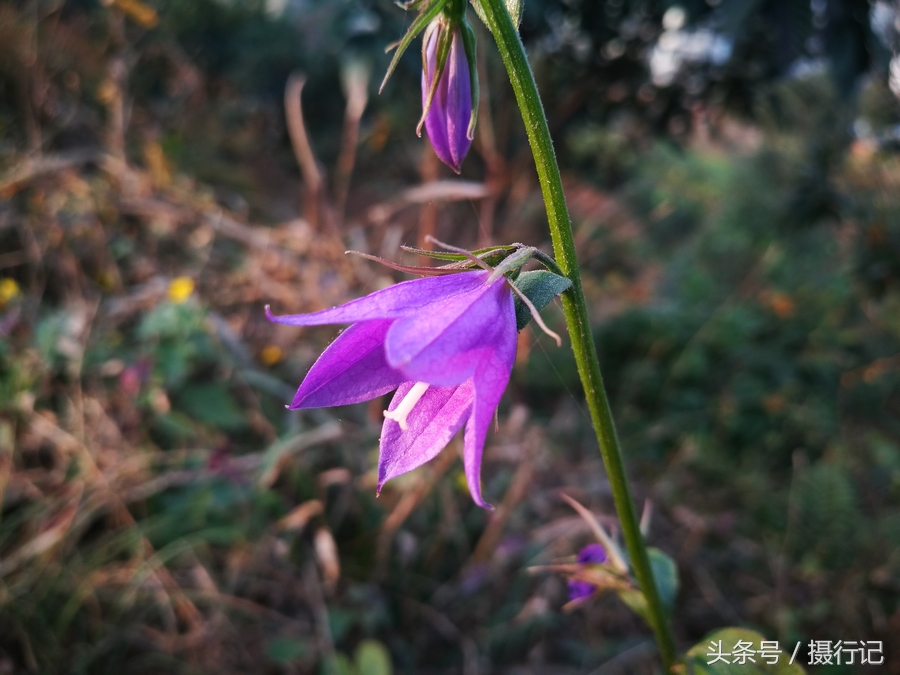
(285, 650)
(372, 658)
(339, 664)
(665, 572)
(514, 7)
(539, 286)
(724, 641)
(428, 13)
(212, 404)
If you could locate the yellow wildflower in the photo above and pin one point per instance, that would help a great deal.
(270, 355)
(180, 289)
(8, 290)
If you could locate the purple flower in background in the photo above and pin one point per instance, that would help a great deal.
(592, 554)
(447, 104)
(446, 343)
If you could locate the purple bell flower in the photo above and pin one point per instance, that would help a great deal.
(592, 554)
(448, 115)
(446, 343)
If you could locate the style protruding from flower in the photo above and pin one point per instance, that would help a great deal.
(592, 554)
(446, 344)
(449, 77)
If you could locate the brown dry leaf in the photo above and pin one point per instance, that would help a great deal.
(298, 518)
(327, 553)
(52, 531)
(337, 476)
(138, 12)
(6, 454)
(157, 164)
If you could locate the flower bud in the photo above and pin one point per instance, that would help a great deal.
(592, 554)
(449, 90)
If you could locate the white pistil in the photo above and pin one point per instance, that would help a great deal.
(409, 401)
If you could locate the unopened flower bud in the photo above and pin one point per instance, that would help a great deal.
(449, 90)
(592, 554)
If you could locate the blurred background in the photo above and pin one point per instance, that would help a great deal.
(733, 171)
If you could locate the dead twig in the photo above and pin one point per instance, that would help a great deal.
(496, 167)
(356, 89)
(317, 208)
(312, 586)
(427, 193)
(31, 168)
(428, 171)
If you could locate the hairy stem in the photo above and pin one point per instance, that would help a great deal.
(575, 310)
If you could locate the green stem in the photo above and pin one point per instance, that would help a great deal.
(575, 310)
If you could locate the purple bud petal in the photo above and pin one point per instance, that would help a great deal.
(447, 120)
(592, 554)
(580, 589)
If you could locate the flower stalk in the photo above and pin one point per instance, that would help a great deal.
(575, 309)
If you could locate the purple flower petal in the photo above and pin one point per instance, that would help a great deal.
(434, 127)
(443, 347)
(390, 303)
(436, 418)
(490, 380)
(352, 369)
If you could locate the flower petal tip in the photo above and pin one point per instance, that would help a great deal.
(274, 318)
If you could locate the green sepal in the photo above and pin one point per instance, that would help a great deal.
(539, 286)
(469, 44)
(427, 14)
(514, 7)
(665, 573)
(491, 255)
(697, 659)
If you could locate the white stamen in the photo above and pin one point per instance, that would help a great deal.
(409, 401)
